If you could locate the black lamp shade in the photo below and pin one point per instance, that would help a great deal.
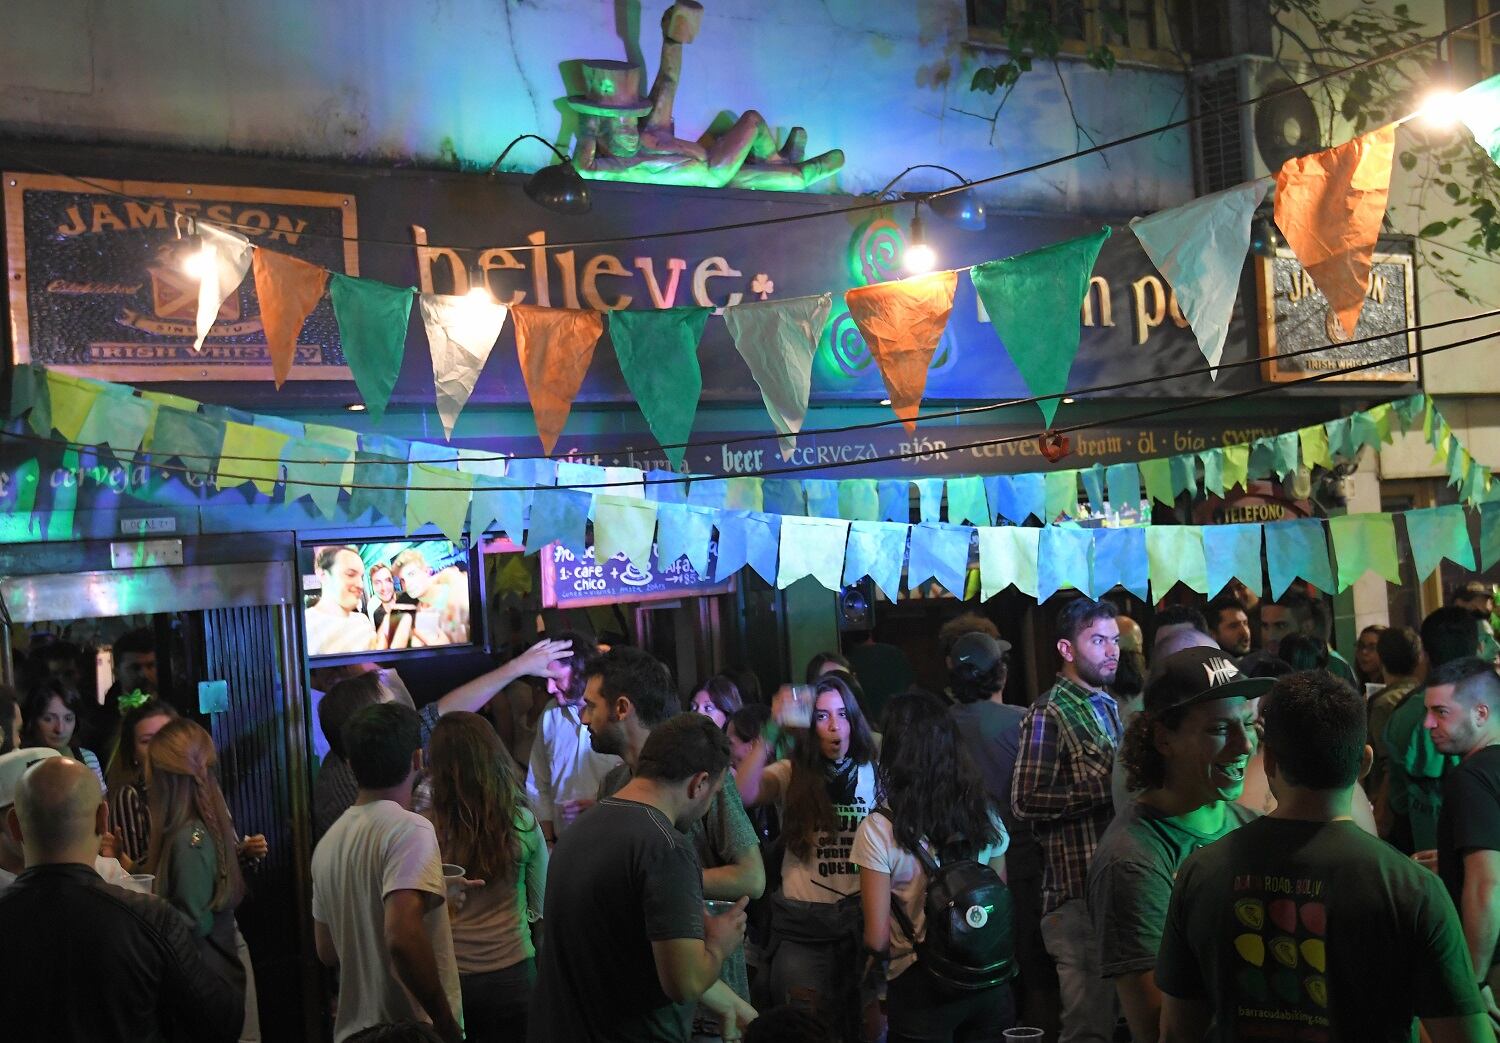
(962, 209)
(559, 188)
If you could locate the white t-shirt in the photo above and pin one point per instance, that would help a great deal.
(329, 633)
(830, 874)
(372, 850)
(875, 848)
(108, 868)
(564, 765)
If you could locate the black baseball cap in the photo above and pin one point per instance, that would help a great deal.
(979, 652)
(1196, 675)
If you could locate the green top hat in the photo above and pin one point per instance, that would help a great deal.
(610, 89)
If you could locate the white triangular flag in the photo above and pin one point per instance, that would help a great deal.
(778, 340)
(224, 259)
(1200, 249)
(461, 333)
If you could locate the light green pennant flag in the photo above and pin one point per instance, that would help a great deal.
(1007, 558)
(859, 499)
(1237, 466)
(744, 494)
(624, 525)
(1436, 533)
(1035, 301)
(440, 496)
(339, 437)
(1064, 559)
(966, 501)
(1479, 108)
(1408, 409)
(1297, 548)
(120, 422)
(372, 319)
(1062, 495)
(315, 471)
(1364, 542)
(28, 390)
(812, 547)
(1314, 441)
(1184, 473)
(1157, 474)
(379, 485)
(658, 354)
(1489, 534)
(192, 438)
(250, 454)
(1174, 554)
(1213, 471)
(71, 402)
(1381, 416)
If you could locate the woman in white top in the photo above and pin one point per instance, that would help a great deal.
(929, 788)
(822, 791)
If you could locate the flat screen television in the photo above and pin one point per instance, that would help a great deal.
(389, 598)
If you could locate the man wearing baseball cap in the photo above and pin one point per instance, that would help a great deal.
(1186, 752)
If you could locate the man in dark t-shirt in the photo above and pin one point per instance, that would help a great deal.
(627, 945)
(1301, 926)
(1463, 715)
(1186, 751)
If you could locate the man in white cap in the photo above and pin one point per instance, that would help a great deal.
(12, 859)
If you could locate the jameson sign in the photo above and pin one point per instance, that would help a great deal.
(99, 287)
(571, 580)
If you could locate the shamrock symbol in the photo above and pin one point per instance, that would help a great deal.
(762, 285)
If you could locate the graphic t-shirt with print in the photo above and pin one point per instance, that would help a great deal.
(1315, 932)
(830, 874)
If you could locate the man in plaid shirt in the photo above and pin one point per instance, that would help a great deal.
(1061, 787)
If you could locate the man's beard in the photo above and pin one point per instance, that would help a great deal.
(608, 739)
(1094, 676)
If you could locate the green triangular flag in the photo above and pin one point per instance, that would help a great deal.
(1479, 108)
(71, 399)
(372, 318)
(440, 496)
(1174, 554)
(1297, 548)
(1362, 542)
(191, 437)
(1285, 457)
(1213, 471)
(658, 354)
(28, 390)
(1436, 533)
(859, 500)
(624, 525)
(1035, 301)
(315, 471)
(379, 486)
(1123, 482)
(1157, 474)
(1237, 465)
(966, 501)
(1489, 534)
(1315, 451)
(1062, 495)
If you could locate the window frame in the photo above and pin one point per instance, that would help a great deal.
(1094, 36)
(1485, 37)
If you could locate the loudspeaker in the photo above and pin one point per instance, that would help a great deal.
(857, 606)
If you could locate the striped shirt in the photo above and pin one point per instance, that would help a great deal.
(1061, 784)
(130, 820)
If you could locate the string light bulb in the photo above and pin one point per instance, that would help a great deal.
(920, 258)
(198, 258)
(1441, 109)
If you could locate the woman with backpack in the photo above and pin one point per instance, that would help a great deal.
(822, 792)
(931, 861)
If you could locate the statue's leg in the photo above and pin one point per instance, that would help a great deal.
(728, 154)
(796, 145)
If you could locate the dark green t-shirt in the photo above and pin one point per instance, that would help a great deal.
(1130, 881)
(1313, 931)
(1470, 819)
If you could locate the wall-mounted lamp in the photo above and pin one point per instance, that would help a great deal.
(559, 188)
(920, 257)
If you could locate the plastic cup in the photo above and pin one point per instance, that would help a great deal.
(453, 886)
(716, 906)
(797, 707)
(1022, 1032)
(143, 883)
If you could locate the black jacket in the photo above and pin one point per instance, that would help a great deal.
(86, 961)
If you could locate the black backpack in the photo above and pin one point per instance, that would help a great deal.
(970, 939)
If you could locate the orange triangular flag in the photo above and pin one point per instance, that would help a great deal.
(288, 290)
(902, 323)
(556, 346)
(1329, 205)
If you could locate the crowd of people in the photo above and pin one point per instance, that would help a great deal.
(1227, 832)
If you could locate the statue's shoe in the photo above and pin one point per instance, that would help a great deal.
(796, 145)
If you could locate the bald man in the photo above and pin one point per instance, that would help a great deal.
(112, 965)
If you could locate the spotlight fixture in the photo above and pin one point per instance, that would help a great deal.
(920, 258)
(559, 188)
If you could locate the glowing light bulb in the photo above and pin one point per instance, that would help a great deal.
(1440, 108)
(920, 258)
(199, 263)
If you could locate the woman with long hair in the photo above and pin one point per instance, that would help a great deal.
(129, 817)
(718, 699)
(822, 791)
(50, 718)
(484, 824)
(194, 850)
(933, 800)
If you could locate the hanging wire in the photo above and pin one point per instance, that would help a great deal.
(1177, 407)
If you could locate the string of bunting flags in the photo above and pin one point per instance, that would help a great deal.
(837, 531)
(1329, 206)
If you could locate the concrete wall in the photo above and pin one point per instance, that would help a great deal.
(455, 80)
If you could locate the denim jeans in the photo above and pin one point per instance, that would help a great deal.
(495, 1003)
(1088, 1001)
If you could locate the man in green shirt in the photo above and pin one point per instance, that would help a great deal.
(1300, 925)
(1415, 768)
(1186, 751)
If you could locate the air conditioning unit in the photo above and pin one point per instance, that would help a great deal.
(1255, 140)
